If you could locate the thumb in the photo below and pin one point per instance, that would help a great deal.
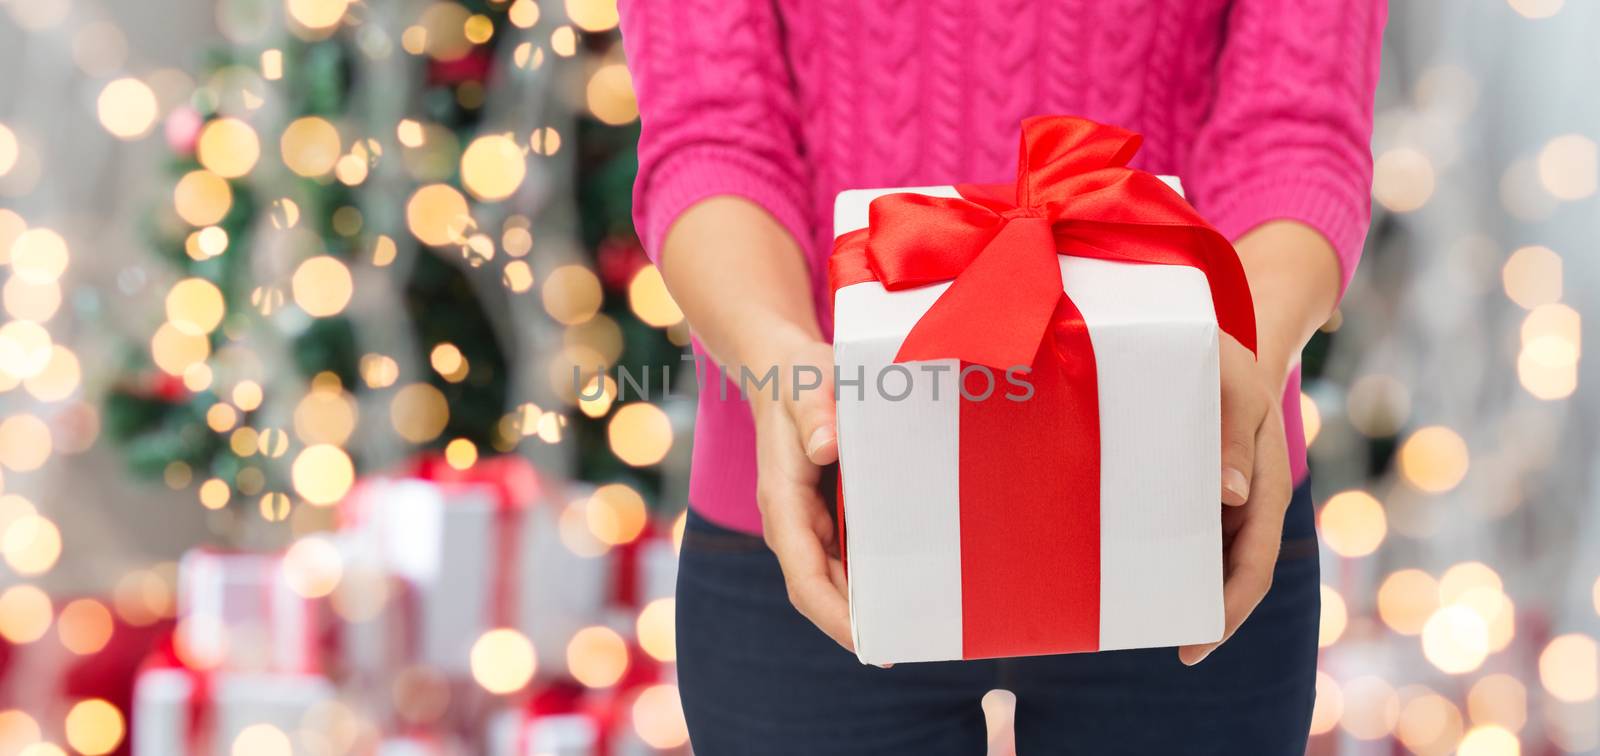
(1239, 421)
(813, 412)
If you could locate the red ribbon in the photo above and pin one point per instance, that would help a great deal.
(1030, 471)
(200, 704)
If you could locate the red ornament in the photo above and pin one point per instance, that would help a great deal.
(619, 259)
(476, 65)
(168, 387)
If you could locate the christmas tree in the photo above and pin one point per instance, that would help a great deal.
(348, 287)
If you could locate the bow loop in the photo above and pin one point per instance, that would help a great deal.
(1056, 149)
(915, 240)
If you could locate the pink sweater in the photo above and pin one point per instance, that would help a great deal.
(1262, 107)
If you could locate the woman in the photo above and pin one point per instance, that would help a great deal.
(755, 113)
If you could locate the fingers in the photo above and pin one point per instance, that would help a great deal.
(813, 412)
(1242, 411)
(1253, 554)
(796, 527)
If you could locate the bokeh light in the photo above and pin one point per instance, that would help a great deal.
(94, 726)
(1353, 523)
(127, 108)
(25, 442)
(261, 739)
(1489, 740)
(9, 150)
(202, 198)
(647, 295)
(1429, 724)
(640, 434)
(610, 95)
(310, 146)
(312, 566)
(1455, 639)
(174, 351)
(317, 14)
(658, 717)
(84, 626)
(31, 544)
(1537, 8)
(1403, 179)
(1532, 276)
(492, 167)
(322, 286)
(657, 631)
(616, 514)
(1334, 617)
(1569, 668)
(1328, 706)
(38, 255)
(1406, 599)
(437, 215)
(1434, 459)
(1498, 699)
(25, 613)
(571, 294)
(322, 474)
(1371, 708)
(597, 657)
(228, 147)
(502, 661)
(419, 413)
(195, 306)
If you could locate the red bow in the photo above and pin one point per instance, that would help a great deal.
(1075, 195)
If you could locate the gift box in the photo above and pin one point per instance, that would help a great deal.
(237, 611)
(640, 715)
(183, 711)
(419, 744)
(553, 722)
(476, 550)
(1028, 407)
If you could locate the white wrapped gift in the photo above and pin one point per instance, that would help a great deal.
(237, 611)
(465, 574)
(932, 579)
(164, 704)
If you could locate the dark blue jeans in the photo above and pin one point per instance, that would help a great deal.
(758, 678)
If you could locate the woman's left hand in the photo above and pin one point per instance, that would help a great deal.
(1255, 485)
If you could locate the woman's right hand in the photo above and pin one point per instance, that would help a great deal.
(796, 435)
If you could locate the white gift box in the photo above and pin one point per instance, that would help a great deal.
(237, 611)
(419, 745)
(1154, 336)
(163, 704)
(658, 569)
(443, 541)
(515, 733)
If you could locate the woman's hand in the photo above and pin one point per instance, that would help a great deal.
(795, 437)
(745, 287)
(1255, 486)
(1294, 282)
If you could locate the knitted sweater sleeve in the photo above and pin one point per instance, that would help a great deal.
(717, 111)
(1289, 132)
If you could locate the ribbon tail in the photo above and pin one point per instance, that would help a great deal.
(996, 311)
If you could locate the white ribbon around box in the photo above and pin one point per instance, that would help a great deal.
(1155, 341)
